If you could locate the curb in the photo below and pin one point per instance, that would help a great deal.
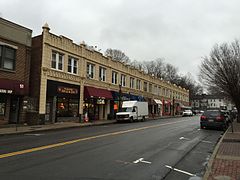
(210, 162)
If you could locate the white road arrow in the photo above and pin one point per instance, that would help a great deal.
(183, 138)
(141, 160)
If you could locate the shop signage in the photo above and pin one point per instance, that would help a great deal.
(6, 91)
(100, 101)
(67, 90)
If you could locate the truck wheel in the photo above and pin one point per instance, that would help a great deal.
(131, 119)
(143, 118)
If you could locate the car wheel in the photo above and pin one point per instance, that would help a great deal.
(131, 119)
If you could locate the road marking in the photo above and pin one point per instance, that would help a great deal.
(141, 160)
(184, 138)
(178, 170)
(207, 142)
(33, 134)
(82, 139)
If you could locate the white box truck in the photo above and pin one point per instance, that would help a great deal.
(133, 111)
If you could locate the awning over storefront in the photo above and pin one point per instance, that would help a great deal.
(13, 87)
(91, 92)
(158, 101)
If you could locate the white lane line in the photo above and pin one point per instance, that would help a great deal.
(141, 160)
(207, 142)
(181, 138)
(178, 170)
(33, 134)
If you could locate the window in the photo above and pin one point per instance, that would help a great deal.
(150, 88)
(114, 77)
(123, 80)
(7, 57)
(145, 86)
(72, 65)
(2, 105)
(90, 70)
(138, 84)
(132, 82)
(57, 60)
(159, 91)
(102, 74)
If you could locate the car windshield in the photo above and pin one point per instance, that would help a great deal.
(127, 109)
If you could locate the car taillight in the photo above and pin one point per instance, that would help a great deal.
(203, 118)
(220, 118)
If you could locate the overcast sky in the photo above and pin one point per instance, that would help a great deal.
(180, 31)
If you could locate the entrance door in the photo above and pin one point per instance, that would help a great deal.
(14, 110)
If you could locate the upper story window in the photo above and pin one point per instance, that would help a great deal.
(7, 58)
(90, 70)
(123, 80)
(145, 86)
(72, 65)
(138, 84)
(57, 60)
(114, 77)
(132, 82)
(159, 91)
(150, 88)
(102, 74)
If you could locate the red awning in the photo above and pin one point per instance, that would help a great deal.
(13, 87)
(91, 92)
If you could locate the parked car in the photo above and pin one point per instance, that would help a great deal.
(187, 112)
(214, 118)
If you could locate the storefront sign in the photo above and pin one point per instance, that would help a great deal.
(67, 90)
(6, 91)
(100, 101)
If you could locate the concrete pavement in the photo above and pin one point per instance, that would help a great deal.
(225, 161)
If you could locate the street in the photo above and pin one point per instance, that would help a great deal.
(122, 151)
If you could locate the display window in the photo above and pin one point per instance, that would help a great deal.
(2, 105)
(67, 107)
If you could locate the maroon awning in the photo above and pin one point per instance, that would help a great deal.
(13, 87)
(91, 92)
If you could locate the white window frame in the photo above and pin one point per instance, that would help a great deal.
(72, 59)
(114, 77)
(123, 80)
(102, 74)
(58, 55)
(132, 82)
(90, 70)
(138, 84)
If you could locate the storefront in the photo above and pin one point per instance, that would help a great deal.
(62, 101)
(96, 104)
(166, 108)
(158, 107)
(11, 100)
(117, 100)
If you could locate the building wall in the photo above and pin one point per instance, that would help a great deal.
(64, 45)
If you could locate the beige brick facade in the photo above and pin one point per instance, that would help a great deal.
(83, 55)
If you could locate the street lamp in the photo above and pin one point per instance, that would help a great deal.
(120, 98)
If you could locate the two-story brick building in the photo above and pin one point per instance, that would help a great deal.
(15, 51)
(71, 80)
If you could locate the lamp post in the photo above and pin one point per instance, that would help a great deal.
(120, 98)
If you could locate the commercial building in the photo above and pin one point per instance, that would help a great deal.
(15, 51)
(74, 82)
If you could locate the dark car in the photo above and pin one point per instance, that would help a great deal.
(214, 118)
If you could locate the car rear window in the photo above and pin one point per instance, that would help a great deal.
(211, 113)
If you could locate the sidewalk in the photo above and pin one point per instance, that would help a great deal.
(48, 127)
(225, 161)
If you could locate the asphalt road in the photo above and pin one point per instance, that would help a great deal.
(125, 151)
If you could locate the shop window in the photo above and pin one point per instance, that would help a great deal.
(57, 60)
(7, 57)
(114, 77)
(67, 107)
(102, 74)
(2, 106)
(90, 70)
(72, 65)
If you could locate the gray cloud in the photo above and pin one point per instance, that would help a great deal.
(181, 31)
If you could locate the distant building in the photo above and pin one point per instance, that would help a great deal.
(15, 51)
(204, 101)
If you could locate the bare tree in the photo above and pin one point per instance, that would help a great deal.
(170, 73)
(117, 55)
(221, 71)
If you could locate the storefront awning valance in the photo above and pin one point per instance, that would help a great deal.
(91, 92)
(157, 101)
(13, 87)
